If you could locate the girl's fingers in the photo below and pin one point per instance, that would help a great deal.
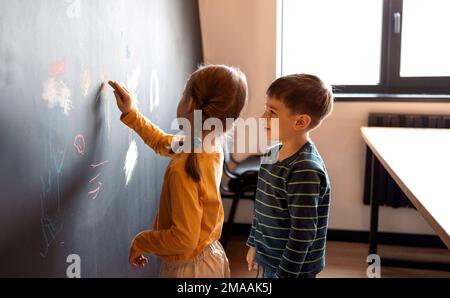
(118, 99)
(144, 259)
(117, 95)
(121, 90)
(126, 89)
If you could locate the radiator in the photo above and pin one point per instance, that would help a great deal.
(385, 189)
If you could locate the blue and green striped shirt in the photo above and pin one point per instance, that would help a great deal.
(291, 213)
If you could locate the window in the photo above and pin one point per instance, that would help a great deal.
(372, 46)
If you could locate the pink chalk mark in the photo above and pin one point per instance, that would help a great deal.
(58, 67)
(90, 181)
(99, 164)
(80, 144)
(96, 191)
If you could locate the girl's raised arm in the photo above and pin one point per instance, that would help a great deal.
(151, 134)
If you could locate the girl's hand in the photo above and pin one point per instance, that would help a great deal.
(123, 97)
(251, 259)
(136, 259)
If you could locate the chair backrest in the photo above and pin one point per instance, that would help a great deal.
(227, 157)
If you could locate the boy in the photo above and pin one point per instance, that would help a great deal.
(289, 228)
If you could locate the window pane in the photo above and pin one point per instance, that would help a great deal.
(425, 38)
(337, 40)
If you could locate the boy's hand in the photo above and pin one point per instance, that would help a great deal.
(251, 259)
(123, 97)
(136, 259)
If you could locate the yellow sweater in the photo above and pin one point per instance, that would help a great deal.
(190, 215)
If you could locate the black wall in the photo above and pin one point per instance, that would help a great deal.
(63, 186)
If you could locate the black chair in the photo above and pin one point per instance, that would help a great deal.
(240, 183)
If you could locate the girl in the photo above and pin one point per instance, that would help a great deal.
(189, 221)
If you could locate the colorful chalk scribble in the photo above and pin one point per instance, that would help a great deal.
(95, 192)
(130, 161)
(51, 217)
(80, 144)
(57, 94)
(154, 90)
(57, 68)
(86, 82)
(74, 9)
(51, 224)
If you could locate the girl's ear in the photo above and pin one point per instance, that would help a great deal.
(302, 122)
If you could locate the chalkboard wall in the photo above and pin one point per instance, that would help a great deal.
(75, 182)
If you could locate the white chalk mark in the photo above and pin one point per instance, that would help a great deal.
(56, 93)
(130, 161)
(74, 9)
(154, 90)
(133, 82)
(99, 164)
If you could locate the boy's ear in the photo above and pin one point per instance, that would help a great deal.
(302, 122)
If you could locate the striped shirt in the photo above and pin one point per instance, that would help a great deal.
(291, 214)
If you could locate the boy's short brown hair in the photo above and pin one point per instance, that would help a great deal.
(305, 94)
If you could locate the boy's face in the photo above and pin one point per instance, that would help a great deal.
(289, 124)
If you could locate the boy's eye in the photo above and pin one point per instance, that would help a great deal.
(269, 111)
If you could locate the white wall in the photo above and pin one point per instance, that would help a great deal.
(243, 33)
(343, 150)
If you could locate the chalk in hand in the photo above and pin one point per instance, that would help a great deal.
(112, 84)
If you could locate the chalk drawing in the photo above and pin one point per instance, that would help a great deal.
(99, 164)
(51, 219)
(90, 181)
(106, 107)
(57, 67)
(57, 94)
(133, 81)
(130, 161)
(50, 225)
(74, 9)
(79, 144)
(96, 191)
(58, 162)
(127, 52)
(154, 90)
(86, 82)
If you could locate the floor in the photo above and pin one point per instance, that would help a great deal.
(346, 259)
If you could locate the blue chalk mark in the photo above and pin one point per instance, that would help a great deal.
(128, 52)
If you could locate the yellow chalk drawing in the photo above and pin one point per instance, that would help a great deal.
(86, 79)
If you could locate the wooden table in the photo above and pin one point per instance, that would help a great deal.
(419, 162)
